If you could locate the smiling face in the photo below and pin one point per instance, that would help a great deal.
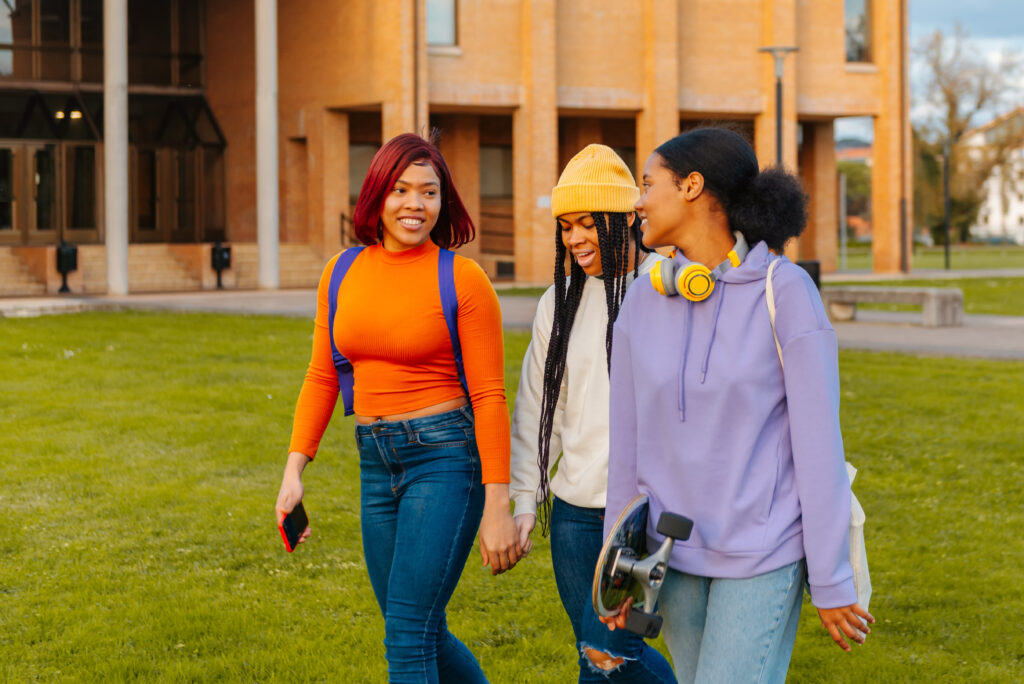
(411, 209)
(579, 235)
(662, 204)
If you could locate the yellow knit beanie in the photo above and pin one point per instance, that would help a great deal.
(596, 179)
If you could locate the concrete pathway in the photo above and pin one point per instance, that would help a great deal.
(922, 274)
(998, 337)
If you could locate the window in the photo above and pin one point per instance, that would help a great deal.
(15, 37)
(55, 40)
(91, 40)
(190, 52)
(497, 226)
(149, 42)
(62, 40)
(441, 22)
(496, 171)
(858, 30)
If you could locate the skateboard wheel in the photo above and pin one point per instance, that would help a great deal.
(646, 625)
(675, 526)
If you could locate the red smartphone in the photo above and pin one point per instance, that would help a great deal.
(292, 527)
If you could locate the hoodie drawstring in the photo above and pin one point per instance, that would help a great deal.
(686, 354)
(714, 328)
(719, 299)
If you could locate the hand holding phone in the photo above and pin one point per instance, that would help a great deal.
(293, 526)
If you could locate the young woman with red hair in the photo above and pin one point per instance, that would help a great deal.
(434, 462)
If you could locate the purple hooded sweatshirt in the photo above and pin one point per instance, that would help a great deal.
(706, 423)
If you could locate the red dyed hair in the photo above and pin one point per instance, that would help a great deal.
(454, 227)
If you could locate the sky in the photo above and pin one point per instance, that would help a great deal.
(992, 26)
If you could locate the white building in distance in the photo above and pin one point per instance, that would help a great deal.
(1001, 215)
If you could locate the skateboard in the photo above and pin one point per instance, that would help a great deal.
(624, 569)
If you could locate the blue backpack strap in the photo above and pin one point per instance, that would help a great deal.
(346, 381)
(450, 306)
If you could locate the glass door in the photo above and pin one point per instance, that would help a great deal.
(185, 190)
(81, 192)
(145, 196)
(10, 228)
(44, 206)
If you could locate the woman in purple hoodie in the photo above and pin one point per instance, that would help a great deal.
(708, 423)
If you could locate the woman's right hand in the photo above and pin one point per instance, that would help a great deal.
(525, 523)
(851, 621)
(290, 494)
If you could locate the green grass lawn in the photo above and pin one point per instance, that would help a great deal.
(141, 456)
(961, 257)
(999, 296)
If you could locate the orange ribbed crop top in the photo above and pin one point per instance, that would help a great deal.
(390, 325)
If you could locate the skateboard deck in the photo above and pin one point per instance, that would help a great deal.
(625, 569)
(628, 533)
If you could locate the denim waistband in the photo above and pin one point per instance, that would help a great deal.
(578, 510)
(397, 427)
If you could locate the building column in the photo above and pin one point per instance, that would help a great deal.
(404, 71)
(659, 119)
(460, 145)
(891, 175)
(333, 150)
(267, 188)
(535, 145)
(115, 143)
(818, 172)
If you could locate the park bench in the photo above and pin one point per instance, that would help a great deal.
(942, 306)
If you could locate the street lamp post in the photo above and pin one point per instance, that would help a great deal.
(945, 195)
(778, 52)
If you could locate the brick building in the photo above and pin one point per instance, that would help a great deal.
(223, 97)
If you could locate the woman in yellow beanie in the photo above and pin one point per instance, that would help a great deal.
(561, 409)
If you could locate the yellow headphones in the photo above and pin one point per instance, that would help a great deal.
(695, 281)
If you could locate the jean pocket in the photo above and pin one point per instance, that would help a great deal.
(453, 435)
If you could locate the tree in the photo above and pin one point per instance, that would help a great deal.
(959, 87)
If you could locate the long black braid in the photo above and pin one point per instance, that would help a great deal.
(613, 238)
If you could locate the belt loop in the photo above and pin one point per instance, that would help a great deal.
(467, 413)
(410, 432)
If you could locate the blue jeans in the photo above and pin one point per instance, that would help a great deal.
(732, 630)
(576, 540)
(421, 500)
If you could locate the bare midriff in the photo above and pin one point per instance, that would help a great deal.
(443, 407)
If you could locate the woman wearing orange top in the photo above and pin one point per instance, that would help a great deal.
(434, 464)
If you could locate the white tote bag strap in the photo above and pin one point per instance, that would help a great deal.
(858, 552)
(769, 295)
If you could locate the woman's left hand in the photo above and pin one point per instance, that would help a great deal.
(846, 620)
(499, 544)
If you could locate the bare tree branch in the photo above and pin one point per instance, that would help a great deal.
(961, 87)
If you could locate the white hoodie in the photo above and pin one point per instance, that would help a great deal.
(580, 430)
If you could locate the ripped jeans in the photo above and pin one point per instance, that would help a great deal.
(576, 540)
